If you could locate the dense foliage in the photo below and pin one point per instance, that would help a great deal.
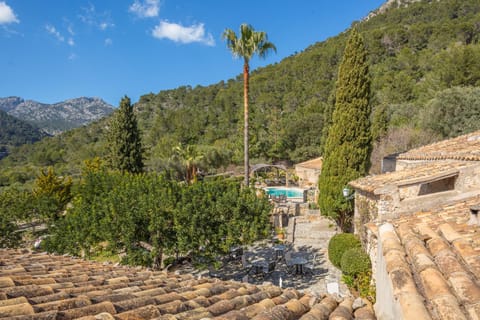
(124, 144)
(356, 273)
(355, 261)
(454, 111)
(24, 210)
(348, 144)
(415, 53)
(15, 132)
(11, 213)
(340, 243)
(146, 216)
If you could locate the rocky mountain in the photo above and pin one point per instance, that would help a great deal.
(389, 4)
(58, 117)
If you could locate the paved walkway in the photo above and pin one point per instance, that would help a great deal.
(307, 237)
(314, 232)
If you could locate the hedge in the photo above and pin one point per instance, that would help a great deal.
(340, 243)
(355, 261)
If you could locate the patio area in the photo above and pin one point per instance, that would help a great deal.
(300, 263)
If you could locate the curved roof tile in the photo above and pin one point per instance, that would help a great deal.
(42, 286)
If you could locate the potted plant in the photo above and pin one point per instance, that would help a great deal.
(280, 232)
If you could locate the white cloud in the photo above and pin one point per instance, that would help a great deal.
(6, 14)
(91, 17)
(179, 33)
(72, 56)
(146, 8)
(53, 31)
(71, 42)
(104, 25)
(108, 42)
(70, 30)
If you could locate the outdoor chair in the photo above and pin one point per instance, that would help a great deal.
(246, 265)
(289, 262)
(310, 266)
(269, 268)
(213, 273)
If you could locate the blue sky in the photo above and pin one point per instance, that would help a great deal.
(52, 50)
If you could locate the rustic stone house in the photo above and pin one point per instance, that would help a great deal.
(308, 172)
(414, 223)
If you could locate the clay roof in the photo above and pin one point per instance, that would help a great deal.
(433, 261)
(42, 286)
(421, 173)
(311, 164)
(465, 148)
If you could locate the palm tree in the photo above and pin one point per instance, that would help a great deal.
(249, 43)
(190, 158)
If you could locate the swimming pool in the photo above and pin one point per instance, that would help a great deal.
(291, 193)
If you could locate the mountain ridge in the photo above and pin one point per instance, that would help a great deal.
(57, 117)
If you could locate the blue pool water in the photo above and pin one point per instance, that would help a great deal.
(289, 192)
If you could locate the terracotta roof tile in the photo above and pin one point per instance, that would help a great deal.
(40, 286)
(421, 173)
(439, 256)
(311, 164)
(466, 147)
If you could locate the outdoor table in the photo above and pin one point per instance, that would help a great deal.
(236, 252)
(259, 264)
(279, 251)
(299, 263)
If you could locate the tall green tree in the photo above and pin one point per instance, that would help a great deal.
(349, 142)
(51, 194)
(249, 42)
(125, 151)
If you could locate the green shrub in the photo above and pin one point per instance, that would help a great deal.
(355, 261)
(363, 283)
(340, 243)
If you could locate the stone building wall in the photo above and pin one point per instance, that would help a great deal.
(404, 164)
(410, 191)
(307, 177)
(365, 211)
(386, 206)
(468, 178)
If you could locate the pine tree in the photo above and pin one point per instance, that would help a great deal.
(348, 145)
(125, 151)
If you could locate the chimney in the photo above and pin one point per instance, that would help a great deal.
(474, 218)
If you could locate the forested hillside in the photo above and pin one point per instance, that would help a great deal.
(425, 68)
(14, 132)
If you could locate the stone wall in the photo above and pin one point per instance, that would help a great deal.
(404, 164)
(410, 191)
(468, 178)
(365, 211)
(307, 177)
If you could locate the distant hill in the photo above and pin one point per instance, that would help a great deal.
(58, 117)
(15, 132)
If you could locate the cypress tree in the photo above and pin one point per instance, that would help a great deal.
(125, 151)
(348, 145)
